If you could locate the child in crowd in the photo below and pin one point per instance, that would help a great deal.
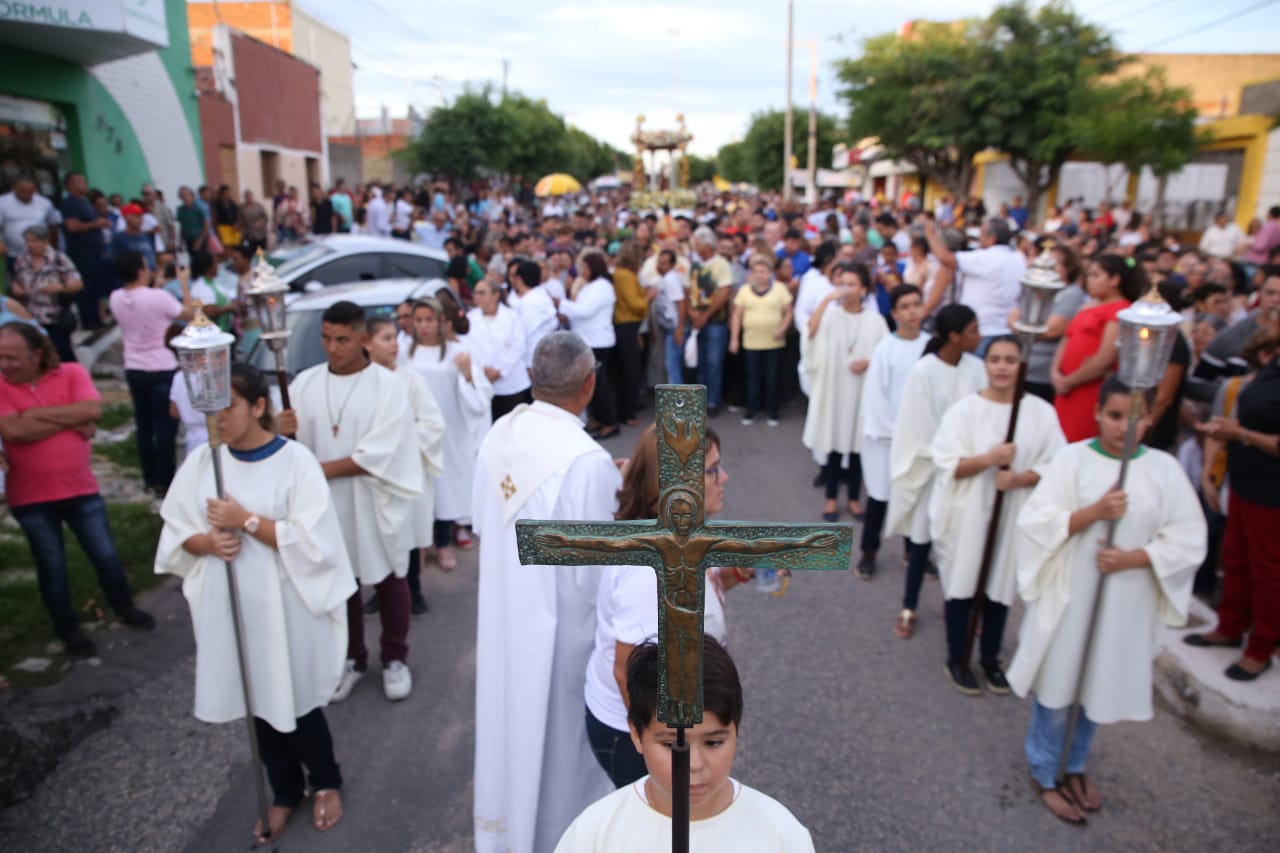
(724, 814)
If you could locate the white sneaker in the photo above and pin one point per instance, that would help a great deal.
(773, 422)
(748, 421)
(397, 682)
(350, 677)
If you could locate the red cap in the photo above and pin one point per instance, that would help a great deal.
(132, 210)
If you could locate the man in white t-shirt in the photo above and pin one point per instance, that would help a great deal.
(989, 276)
(20, 208)
(1222, 238)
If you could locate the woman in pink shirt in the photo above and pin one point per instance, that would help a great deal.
(144, 315)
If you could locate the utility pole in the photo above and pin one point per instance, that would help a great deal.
(506, 67)
(813, 123)
(787, 141)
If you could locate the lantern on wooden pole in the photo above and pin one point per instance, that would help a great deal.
(204, 355)
(1041, 284)
(1147, 331)
(266, 294)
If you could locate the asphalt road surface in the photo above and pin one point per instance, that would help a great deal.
(856, 731)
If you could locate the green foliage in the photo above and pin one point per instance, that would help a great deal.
(731, 162)
(24, 623)
(1139, 121)
(763, 146)
(480, 134)
(700, 170)
(123, 453)
(117, 414)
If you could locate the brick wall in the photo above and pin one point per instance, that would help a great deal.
(278, 96)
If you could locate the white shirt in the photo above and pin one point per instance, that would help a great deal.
(991, 285)
(401, 215)
(17, 216)
(670, 294)
(377, 217)
(1221, 242)
(538, 316)
(430, 236)
(555, 288)
(498, 341)
(591, 314)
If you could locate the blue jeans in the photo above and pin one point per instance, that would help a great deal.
(615, 752)
(157, 432)
(713, 343)
(87, 518)
(762, 380)
(1045, 735)
(674, 357)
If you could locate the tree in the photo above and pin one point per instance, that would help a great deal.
(1041, 69)
(921, 94)
(461, 140)
(763, 146)
(700, 170)
(731, 162)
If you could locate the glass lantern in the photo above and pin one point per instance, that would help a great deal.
(266, 294)
(204, 354)
(1040, 286)
(1147, 330)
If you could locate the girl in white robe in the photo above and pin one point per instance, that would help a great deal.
(463, 393)
(1160, 541)
(842, 337)
(277, 528)
(971, 463)
(428, 425)
(946, 372)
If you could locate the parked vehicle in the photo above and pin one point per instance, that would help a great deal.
(330, 259)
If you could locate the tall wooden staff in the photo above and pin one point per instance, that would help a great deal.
(266, 295)
(204, 352)
(1040, 285)
(1147, 330)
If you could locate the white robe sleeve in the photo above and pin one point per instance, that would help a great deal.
(1179, 545)
(910, 465)
(380, 450)
(183, 512)
(1043, 548)
(428, 422)
(309, 539)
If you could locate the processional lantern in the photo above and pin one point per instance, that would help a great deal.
(204, 354)
(266, 294)
(1041, 284)
(1147, 331)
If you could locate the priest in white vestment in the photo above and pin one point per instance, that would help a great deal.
(886, 378)
(497, 342)
(814, 285)
(947, 372)
(354, 415)
(971, 462)
(1160, 541)
(842, 336)
(534, 767)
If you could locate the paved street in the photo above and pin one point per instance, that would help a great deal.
(855, 731)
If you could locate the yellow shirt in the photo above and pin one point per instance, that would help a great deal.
(762, 315)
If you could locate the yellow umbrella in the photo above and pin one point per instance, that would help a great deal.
(721, 184)
(557, 184)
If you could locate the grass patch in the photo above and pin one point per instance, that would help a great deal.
(115, 415)
(123, 453)
(25, 629)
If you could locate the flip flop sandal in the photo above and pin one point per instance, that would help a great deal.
(905, 625)
(272, 813)
(327, 811)
(1079, 787)
(1064, 810)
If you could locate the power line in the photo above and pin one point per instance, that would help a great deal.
(1109, 21)
(1211, 24)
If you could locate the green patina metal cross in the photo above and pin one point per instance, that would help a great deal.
(680, 545)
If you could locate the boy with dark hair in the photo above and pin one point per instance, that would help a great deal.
(725, 815)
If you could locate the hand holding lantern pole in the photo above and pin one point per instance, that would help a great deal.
(266, 295)
(1147, 330)
(204, 353)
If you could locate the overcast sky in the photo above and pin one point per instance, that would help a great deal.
(601, 63)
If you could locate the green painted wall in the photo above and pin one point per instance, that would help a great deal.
(99, 137)
(176, 59)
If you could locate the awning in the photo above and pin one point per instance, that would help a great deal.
(86, 32)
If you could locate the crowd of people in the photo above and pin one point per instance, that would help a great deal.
(487, 402)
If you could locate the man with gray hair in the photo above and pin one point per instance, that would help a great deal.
(20, 208)
(988, 278)
(709, 296)
(534, 769)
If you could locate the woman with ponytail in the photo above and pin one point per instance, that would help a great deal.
(1088, 350)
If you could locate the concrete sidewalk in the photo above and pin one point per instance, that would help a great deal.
(1192, 681)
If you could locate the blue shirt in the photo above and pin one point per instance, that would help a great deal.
(86, 244)
(800, 262)
(1019, 215)
(143, 244)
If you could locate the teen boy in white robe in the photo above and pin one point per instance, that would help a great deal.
(276, 524)
(1160, 541)
(971, 463)
(725, 815)
(534, 768)
(355, 417)
(886, 378)
(946, 372)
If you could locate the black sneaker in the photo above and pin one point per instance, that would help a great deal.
(418, 605)
(137, 618)
(866, 569)
(994, 676)
(962, 679)
(79, 646)
(371, 606)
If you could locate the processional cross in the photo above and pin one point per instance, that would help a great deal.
(680, 545)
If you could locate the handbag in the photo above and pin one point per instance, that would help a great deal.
(691, 350)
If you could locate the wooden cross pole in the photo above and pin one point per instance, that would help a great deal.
(680, 545)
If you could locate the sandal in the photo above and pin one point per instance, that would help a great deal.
(855, 509)
(327, 810)
(1059, 803)
(277, 820)
(905, 625)
(1083, 792)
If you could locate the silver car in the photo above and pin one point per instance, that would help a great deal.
(329, 259)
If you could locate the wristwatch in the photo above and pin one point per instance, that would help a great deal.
(251, 524)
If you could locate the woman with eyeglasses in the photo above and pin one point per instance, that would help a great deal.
(627, 608)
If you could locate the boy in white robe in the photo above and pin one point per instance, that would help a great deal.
(534, 769)
(725, 815)
(945, 373)
(276, 524)
(891, 362)
(842, 337)
(1160, 541)
(354, 416)
(971, 463)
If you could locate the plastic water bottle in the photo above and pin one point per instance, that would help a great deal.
(767, 580)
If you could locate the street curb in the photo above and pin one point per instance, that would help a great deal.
(1192, 681)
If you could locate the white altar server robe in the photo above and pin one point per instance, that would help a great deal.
(833, 422)
(428, 426)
